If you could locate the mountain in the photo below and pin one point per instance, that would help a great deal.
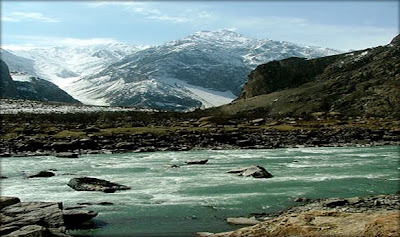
(204, 69)
(64, 64)
(360, 83)
(31, 88)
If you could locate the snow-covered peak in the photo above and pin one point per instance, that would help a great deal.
(63, 65)
(220, 38)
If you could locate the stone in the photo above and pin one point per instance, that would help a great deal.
(67, 155)
(42, 174)
(335, 202)
(301, 199)
(242, 221)
(253, 171)
(8, 201)
(196, 162)
(354, 200)
(236, 171)
(77, 218)
(46, 214)
(94, 184)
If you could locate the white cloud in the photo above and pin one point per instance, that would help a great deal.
(153, 11)
(28, 16)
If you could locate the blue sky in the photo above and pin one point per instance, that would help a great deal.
(336, 24)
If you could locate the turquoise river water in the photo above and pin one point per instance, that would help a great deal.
(168, 201)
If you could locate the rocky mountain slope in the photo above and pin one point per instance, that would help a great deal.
(360, 83)
(32, 88)
(204, 69)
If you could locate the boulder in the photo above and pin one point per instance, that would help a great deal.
(253, 171)
(46, 214)
(301, 199)
(67, 155)
(42, 174)
(196, 162)
(8, 201)
(94, 184)
(78, 218)
(335, 202)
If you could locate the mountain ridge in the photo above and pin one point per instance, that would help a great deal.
(360, 83)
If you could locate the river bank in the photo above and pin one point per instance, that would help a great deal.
(32, 138)
(358, 216)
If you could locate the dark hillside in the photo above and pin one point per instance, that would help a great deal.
(360, 83)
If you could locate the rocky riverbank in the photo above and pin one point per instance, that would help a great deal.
(40, 218)
(30, 139)
(358, 216)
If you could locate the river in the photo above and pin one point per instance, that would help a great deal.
(167, 201)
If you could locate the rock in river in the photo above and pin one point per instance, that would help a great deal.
(254, 171)
(94, 184)
(196, 162)
(42, 174)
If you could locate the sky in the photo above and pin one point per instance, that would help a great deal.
(343, 25)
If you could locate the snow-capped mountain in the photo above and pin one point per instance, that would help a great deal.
(209, 67)
(202, 70)
(65, 64)
(30, 88)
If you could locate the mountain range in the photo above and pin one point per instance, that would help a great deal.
(205, 69)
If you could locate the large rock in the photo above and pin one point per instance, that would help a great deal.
(196, 162)
(78, 218)
(42, 174)
(8, 201)
(19, 216)
(94, 184)
(253, 171)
